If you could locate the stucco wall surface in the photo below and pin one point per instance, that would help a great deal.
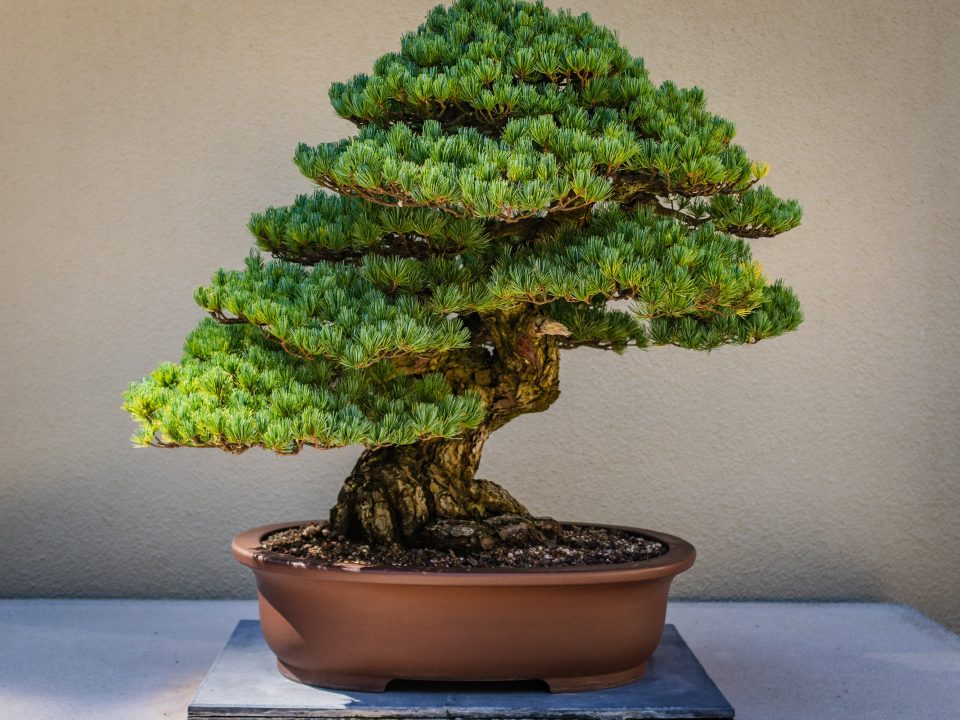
(137, 137)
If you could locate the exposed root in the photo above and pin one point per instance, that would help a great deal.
(496, 531)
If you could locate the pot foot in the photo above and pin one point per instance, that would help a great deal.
(365, 683)
(596, 682)
(333, 681)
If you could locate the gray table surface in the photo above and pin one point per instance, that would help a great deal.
(132, 659)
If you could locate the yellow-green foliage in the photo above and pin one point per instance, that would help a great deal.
(234, 389)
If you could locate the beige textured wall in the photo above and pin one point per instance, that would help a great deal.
(136, 138)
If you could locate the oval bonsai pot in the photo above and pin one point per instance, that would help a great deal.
(358, 628)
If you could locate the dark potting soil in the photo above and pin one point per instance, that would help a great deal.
(575, 545)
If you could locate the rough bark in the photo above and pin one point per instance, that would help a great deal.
(427, 494)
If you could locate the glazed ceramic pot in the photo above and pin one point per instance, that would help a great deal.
(358, 628)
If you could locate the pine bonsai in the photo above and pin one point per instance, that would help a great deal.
(515, 173)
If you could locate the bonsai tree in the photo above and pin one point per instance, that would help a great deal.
(515, 173)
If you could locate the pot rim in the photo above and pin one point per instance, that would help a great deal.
(679, 557)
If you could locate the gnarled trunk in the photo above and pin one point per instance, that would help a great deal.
(427, 494)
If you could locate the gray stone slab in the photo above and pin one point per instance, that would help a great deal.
(244, 683)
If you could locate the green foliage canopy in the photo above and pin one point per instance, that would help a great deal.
(508, 156)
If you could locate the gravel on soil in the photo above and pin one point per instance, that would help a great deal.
(575, 546)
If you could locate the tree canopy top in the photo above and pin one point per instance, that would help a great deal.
(507, 110)
(481, 63)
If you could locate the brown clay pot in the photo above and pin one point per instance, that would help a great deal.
(575, 628)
